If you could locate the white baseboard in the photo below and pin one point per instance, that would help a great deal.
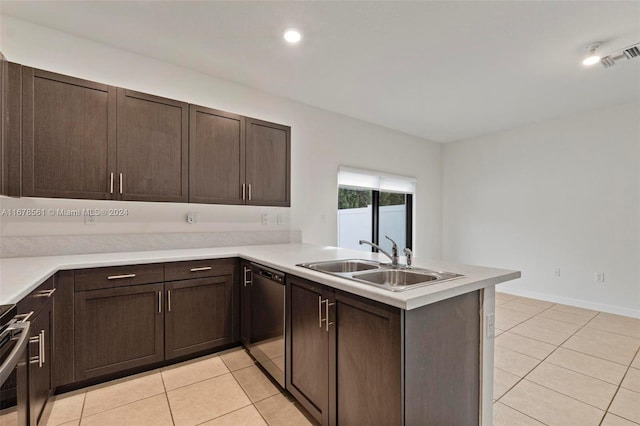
(634, 313)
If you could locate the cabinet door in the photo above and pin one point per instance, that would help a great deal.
(268, 163)
(117, 329)
(198, 315)
(40, 362)
(216, 157)
(68, 134)
(10, 131)
(152, 148)
(245, 303)
(307, 337)
(365, 363)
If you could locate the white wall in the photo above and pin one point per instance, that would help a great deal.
(565, 194)
(321, 141)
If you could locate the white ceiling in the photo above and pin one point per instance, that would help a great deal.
(441, 70)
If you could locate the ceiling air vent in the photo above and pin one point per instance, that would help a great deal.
(630, 52)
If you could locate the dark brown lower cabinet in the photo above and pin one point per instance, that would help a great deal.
(40, 362)
(117, 329)
(344, 356)
(353, 361)
(367, 365)
(307, 360)
(198, 315)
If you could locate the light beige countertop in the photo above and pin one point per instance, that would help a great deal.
(19, 276)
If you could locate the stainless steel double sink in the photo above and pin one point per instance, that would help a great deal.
(381, 275)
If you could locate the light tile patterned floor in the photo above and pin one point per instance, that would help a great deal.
(555, 365)
(562, 365)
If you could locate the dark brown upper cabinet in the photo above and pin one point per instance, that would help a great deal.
(216, 156)
(268, 163)
(152, 148)
(82, 139)
(10, 131)
(238, 160)
(68, 136)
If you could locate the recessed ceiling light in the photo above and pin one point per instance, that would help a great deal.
(292, 36)
(592, 58)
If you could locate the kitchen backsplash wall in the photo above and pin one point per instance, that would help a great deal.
(35, 245)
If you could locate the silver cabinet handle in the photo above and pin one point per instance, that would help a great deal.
(119, 277)
(249, 192)
(326, 309)
(202, 268)
(159, 302)
(23, 317)
(42, 348)
(320, 302)
(121, 179)
(243, 190)
(36, 359)
(247, 281)
(111, 184)
(168, 300)
(45, 293)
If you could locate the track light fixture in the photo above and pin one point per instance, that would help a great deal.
(592, 57)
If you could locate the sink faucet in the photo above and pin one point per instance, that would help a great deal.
(394, 250)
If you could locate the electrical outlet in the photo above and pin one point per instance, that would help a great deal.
(90, 219)
(323, 219)
(192, 218)
(600, 277)
(491, 325)
(280, 219)
(557, 272)
(265, 218)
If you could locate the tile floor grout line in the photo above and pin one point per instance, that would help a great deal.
(123, 405)
(541, 361)
(524, 414)
(560, 345)
(84, 401)
(620, 386)
(166, 396)
(248, 397)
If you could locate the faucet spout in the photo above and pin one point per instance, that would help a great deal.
(393, 258)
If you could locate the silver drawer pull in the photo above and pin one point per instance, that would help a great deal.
(118, 277)
(42, 348)
(202, 268)
(247, 280)
(111, 184)
(37, 359)
(45, 293)
(23, 317)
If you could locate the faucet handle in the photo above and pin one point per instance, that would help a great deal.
(394, 247)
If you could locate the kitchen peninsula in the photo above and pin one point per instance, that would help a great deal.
(420, 355)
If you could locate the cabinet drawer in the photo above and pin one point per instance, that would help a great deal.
(118, 276)
(37, 298)
(198, 269)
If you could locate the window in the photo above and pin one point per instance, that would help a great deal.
(372, 205)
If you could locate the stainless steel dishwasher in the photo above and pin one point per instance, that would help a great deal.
(268, 320)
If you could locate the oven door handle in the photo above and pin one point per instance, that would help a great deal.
(16, 353)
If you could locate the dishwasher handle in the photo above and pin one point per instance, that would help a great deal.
(14, 357)
(268, 273)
